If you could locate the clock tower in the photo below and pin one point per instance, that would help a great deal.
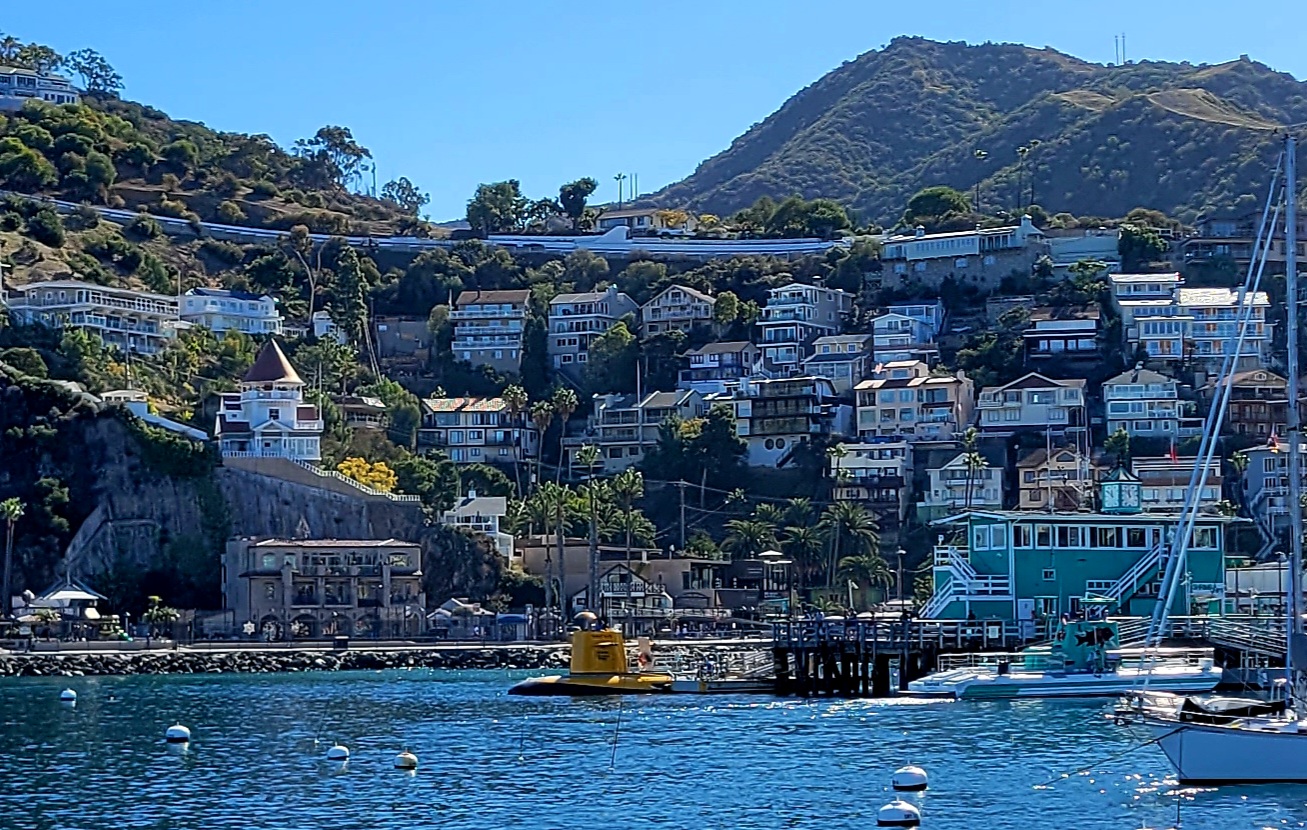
(1121, 492)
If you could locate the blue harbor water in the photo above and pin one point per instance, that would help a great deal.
(490, 761)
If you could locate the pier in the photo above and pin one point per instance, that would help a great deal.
(860, 658)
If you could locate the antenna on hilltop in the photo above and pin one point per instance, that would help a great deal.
(1116, 48)
(1123, 57)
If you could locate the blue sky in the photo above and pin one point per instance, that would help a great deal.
(455, 93)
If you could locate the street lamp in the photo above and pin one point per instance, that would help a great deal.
(901, 554)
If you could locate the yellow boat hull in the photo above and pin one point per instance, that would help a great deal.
(580, 685)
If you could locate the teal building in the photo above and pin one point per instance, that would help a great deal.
(1020, 565)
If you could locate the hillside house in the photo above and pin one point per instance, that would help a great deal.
(1173, 323)
(904, 398)
(220, 311)
(1033, 402)
(577, 320)
(134, 322)
(268, 417)
(710, 369)
(489, 327)
(477, 431)
(795, 315)
(844, 359)
(625, 427)
(982, 256)
(676, 308)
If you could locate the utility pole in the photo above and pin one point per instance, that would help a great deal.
(681, 484)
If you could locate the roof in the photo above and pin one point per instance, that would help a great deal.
(1153, 517)
(1174, 276)
(70, 591)
(1256, 376)
(725, 347)
(484, 505)
(225, 292)
(1216, 296)
(496, 297)
(587, 297)
(1139, 375)
(693, 292)
(1039, 455)
(90, 286)
(903, 383)
(332, 543)
(358, 402)
(662, 400)
(464, 404)
(1080, 312)
(842, 339)
(625, 212)
(1034, 380)
(271, 366)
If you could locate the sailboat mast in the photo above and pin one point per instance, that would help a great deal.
(1294, 589)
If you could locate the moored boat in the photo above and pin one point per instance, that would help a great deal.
(1084, 660)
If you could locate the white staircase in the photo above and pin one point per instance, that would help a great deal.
(1138, 575)
(963, 582)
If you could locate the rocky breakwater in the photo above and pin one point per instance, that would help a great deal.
(267, 661)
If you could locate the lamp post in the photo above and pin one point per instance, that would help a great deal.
(901, 554)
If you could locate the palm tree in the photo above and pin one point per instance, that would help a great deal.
(588, 456)
(979, 156)
(972, 460)
(627, 486)
(769, 513)
(557, 502)
(1239, 463)
(747, 538)
(515, 401)
(848, 527)
(803, 544)
(542, 415)
(11, 510)
(798, 512)
(9, 46)
(836, 454)
(867, 570)
(565, 403)
(1021, 169)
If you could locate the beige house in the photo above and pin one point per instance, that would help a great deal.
(843, 359)
(477, 431)
(1063, 480)
(904, 398)
(300, 588)
(489, 327)
(625, 427)
(676, 308)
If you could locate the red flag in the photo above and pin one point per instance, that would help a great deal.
(1274, 443)
(1175, 459)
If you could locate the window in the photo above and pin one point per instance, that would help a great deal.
(998, 536)
(1134, 538)
(614, 452)
(1205, 537)
(1043, 536)
(1050, 574)
(1103, 537)
(1021, 536)
(270, 590)
(274, 414)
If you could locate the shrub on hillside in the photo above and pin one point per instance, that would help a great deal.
(231, 213)
(45, 227)
(264, 190)
(10, 221)
(171, 207)
(144, 226)
(84, 218)
(228, 253)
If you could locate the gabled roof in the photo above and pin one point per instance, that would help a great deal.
(1139, 375)
(271, 366)
(496, 297)
(725, 347)
(693, 292)
(1034, 380)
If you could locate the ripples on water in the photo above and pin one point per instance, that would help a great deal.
(489, 761)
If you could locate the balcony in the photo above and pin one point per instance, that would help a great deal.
(488, 314)
(471, 330)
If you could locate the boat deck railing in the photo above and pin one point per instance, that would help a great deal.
(1128, 658)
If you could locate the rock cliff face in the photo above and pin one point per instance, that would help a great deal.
(139, 511)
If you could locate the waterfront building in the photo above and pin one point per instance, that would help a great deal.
(221, 310)
(982, 256)
(19, 85)
(711, 368)
(577, 320)
(1061, 480)
(844, 359)
(135, 322)
(795, 315)
(1165, 482)
(477, 431)
(1020, 566)
(268, 417)
(898, 337)
(1173, 323)
(775, 416)
(484, 515)
(1033, 402)
(1064, 332)
(625, 427)
(876, 473)
(361, 411)
(676, 308)
(905, 398)
(629, 600)
(458, 618)
(293, 588)
(959, 484)
(1145, 403)
(77, 607)
(489, 327)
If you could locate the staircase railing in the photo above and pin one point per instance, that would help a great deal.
(1129, 583)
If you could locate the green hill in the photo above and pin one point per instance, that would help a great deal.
(1101, 140)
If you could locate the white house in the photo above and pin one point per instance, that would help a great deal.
(133, 321)
(484, 515)
(899, 337)
(1033, 402)
(138, 403)
(1142, 402)
(1174, 323)
(220, 310)
(795, 315)
(930, 312)
(577, 320)
(843, 358)
(19, 85)
(268, 417)
(905, 398)
(325, 328)
(1165, 482)
(676, 308)
(957, 485)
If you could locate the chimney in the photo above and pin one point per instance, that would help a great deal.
(919, 231)
(471, 493)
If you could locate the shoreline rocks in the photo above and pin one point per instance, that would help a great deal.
(269, 661)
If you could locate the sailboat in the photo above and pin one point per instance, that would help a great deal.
(1225, 741)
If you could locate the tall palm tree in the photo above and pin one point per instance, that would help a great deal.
(542, 415)
(798, 512)
(836, 455)
(769, 513)
(565, 403)
(972, 460)
(850, 530)
(515, 401)
(747, 538)
(627, 486)
(803, 545)
(11, 510)
(867, 570)
(1021, 169)
(557, 502)
(594, 489)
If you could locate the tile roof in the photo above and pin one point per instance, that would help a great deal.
(496, 297)
(271, 366)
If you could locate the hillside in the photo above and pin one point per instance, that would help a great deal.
(1101, 139)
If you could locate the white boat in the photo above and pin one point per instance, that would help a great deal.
(1222, 741)
(1081, 662)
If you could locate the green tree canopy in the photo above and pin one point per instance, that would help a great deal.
(932, 205)
(499, 207)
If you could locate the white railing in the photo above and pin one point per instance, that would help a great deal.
(371, 491)
(1129, 582)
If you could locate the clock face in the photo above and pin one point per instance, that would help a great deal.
(1111, 495)
(1130, 497)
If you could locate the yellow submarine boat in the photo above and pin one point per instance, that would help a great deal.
(598, 666)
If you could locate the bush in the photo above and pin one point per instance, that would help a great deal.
(231, 213)
(171, 207)
(227, 185)
(228, 253)
(264, 190)
(144, 226)
(46, 228)
(10, 221)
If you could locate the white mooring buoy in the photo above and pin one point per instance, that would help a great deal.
(68, 696)
(177, 734)
(406, 760)
(898, 813)
(338, 753)
(909, 780)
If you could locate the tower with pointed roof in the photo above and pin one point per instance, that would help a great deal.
(268, 417)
